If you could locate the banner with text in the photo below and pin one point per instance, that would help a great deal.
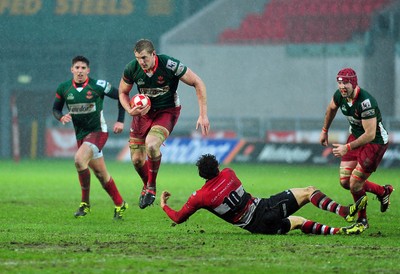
(188, 150)
(62, 143)
(261, 152)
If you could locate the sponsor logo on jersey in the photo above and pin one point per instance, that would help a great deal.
(82, 108)
(101, 83)
(160, 80)
(366, 104)
(180, 69)
(70, 96)
(368, 113)
(353, 121)
(172, 65)
(89, 95)
(154, 92)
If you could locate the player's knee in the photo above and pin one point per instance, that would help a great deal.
(80, 164)
(153, 149)
(137, 161)
(138, 152)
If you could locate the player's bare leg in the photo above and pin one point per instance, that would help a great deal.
(154, 140)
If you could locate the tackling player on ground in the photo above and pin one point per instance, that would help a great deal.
(366, 144)
(223, 195)
(157, 76)
(84, 99)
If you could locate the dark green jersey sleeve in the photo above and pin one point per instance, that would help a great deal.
(113, 93)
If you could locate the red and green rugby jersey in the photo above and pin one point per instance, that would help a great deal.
(161, 87)
(363, 107)
(85, 104)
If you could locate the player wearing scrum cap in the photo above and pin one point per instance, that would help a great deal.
(366, 144)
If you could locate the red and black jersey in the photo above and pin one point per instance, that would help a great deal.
(223, 196)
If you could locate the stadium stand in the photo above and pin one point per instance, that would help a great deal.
(305, 21)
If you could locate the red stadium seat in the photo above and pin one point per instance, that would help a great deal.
(305, 21)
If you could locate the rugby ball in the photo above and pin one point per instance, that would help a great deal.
(140, 100)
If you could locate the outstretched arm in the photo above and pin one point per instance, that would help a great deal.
(176, 216)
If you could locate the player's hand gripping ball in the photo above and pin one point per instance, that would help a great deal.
(140, 100)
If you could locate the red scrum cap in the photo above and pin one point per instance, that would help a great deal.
(347, 75)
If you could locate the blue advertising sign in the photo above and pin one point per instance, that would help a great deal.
(188, 150)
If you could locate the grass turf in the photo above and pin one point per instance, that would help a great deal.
(38, 233)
